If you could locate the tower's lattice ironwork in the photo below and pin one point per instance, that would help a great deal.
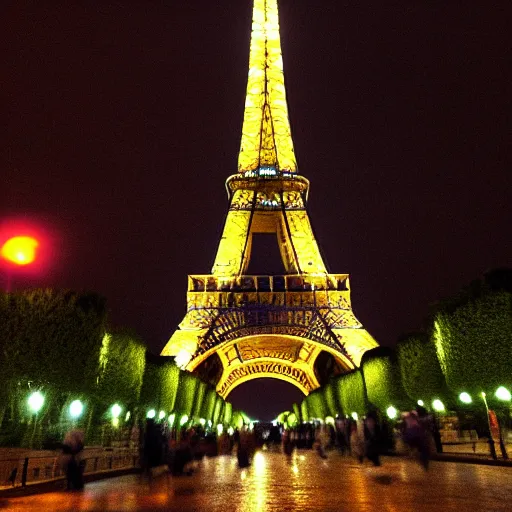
(283, 326)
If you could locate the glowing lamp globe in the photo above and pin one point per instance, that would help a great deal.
(36, 401)
(421, 403)
(183, 420)
(503, 393)
(76, 408)
(465, 398)
(115, 410)
(438, 405)
(391, 412)
(20, 250)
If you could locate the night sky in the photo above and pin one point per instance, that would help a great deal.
(123, 121)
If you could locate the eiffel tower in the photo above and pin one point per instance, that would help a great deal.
(299, 326)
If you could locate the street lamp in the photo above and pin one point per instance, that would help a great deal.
(151, 414)
(115, 410)
(391, 412)
(465, 398)
(36, 401)
(438, 405)
(491, 440)
(76, 408)
(503, 393)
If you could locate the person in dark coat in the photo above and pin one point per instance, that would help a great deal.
(372, 438)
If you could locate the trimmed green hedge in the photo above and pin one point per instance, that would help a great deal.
(382, 379)
(350, 392)
(421, 374)
(474, 344)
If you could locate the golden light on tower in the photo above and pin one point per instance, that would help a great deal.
(277, 326)
(266, 134)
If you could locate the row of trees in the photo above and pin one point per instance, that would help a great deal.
(466, 347)
(58, 343)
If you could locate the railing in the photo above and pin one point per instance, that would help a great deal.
(290, 283)
(28, 470)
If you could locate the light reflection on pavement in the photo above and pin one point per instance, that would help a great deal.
(303, 482)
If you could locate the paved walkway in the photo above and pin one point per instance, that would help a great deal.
(304, 483)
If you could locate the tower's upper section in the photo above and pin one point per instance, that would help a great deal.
(267, 145)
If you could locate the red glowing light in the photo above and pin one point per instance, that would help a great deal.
(20, 250)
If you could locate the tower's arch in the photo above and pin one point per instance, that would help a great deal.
(281, 356)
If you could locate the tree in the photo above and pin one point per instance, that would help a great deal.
(473, 343)
(185, 397)
(381, 375)
(122, 364)
(316, 404)
(332, 406)
(351, 393)
(421, 374)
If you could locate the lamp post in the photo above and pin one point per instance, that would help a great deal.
(35, 403)
(503, 394)
(492, 449)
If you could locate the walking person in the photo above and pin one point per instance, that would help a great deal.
(372, 438)
(321, 440)
(357, 439)
(72, 461)
(415, 436)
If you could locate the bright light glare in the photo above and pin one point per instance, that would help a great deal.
(76, 407)
(465, 398)
(171, 419)
(182, 358)
(151, 414)
(202, 421)
(438, 405)
(184, 420)
(115, 410)
(354, 416)
(391, 412)
(161, 415)
(220, 429)
(503, 394)
(421, 403)
(36, 401)
(20, 250)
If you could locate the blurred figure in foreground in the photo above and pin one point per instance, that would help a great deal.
(357, 439)
(415, 436)
(245, 448)
(321, 441)
(72, 462)
(372, 438)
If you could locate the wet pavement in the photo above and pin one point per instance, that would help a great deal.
(303, 482)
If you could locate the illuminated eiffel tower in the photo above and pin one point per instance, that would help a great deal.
(299, 326)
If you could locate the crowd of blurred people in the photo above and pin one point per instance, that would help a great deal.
(179, 449)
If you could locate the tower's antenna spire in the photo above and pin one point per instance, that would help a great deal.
(266, 134)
